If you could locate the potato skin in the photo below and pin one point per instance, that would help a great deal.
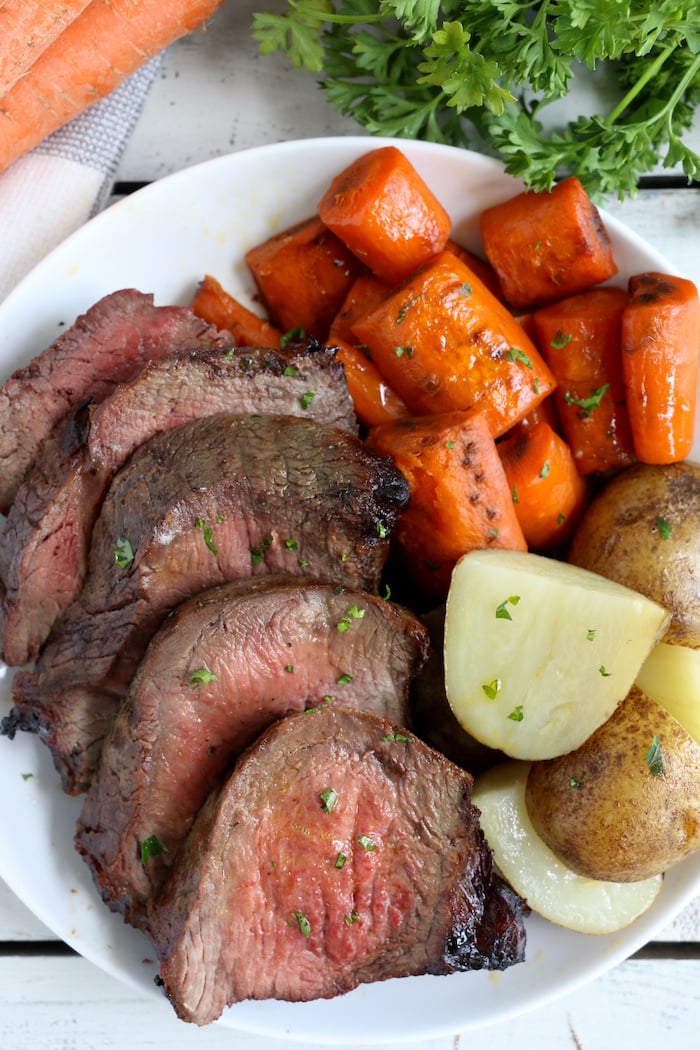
(622, 536)
(603, 812)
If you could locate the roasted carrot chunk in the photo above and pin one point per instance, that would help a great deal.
(443, 341)
(366, 293)
(547, 245)
(660, 344)
(214, 305)
(547, 491)
(373, 399)
(303, 276)
(580, 338)
(460, 498)
(381, 208)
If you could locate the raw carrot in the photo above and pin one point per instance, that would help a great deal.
(548, 493)
(460, 497)
(443, 341)
(660, 344)
(92, 56)
(547, 245)
(27, 29)
(580, 339)
(303, 276)
(381, 208)
(216, 306)
(374, 400)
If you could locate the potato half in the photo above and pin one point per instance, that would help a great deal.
(529, 866)
(643, 530)
(626, 805)
(539, 653)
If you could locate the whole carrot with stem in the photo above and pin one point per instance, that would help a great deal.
(95, 53)
(27, 28)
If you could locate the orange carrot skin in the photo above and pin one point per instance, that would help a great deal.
(443, 341)
(381, 208)
(483, 270)
(549, 495)
(374, 401)
(460, 498)
(660, 344)
(216, 306)
(581, 339)
(303, 276)
(27, 29)
(93, 55)
(547, 245)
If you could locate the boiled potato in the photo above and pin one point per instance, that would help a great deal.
(671, 676)
(529, 866)
(626, 805)
(539, 653)
(643, 530)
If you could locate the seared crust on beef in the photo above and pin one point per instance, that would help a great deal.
(217, 499)
(221, 669)
(258, 904)
(107, 345)
(44, 549)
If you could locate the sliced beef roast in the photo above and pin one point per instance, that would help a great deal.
(221, 669)
(341, 850)
(107, 345)
(217, 499)
(44, 549)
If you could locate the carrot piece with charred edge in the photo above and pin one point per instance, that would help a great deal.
(547, 245)
(91, 57)
(580, 338)
(660, 344)
(483, 270)
(374, 400)
(27, 29)
(443, 341)
(381, 208)
(303, 276)
(460, 497)
(548, 493)
(216, 306)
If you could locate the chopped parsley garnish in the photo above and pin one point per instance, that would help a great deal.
(381, 530)
(344, 679)
(663, 527)
(502, 612)
(201, 677)
(366, 843)
(397, 738)
(151, 847)
(492, 689)
(289, 668)
(291, 545)
(27, 776)
(329, 797)
(290, 370)
(450, 444)
(586, 405)
(590, 634)
(576, 782)
(560, 340)
(306, 399)
(401, 315)
(654, 757)
(352, 918)
(401, 350)
(208, 537)
(302, 922)
(516, 714)
(353, 613)
(515, 495)
(465, 290)
(340, 861)
(292, 336)
(514, 354)
(603, 673)
(544, 473)
(257, 554)
(124, 553)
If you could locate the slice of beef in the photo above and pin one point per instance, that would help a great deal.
(44, 549)
(221, 669)
(107, 345)
(217, 499)
(339, 851)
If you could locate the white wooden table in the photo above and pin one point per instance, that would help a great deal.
(215, 95)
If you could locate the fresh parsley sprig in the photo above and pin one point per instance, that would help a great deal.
(480, 73)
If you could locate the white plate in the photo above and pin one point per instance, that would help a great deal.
(163, 239)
